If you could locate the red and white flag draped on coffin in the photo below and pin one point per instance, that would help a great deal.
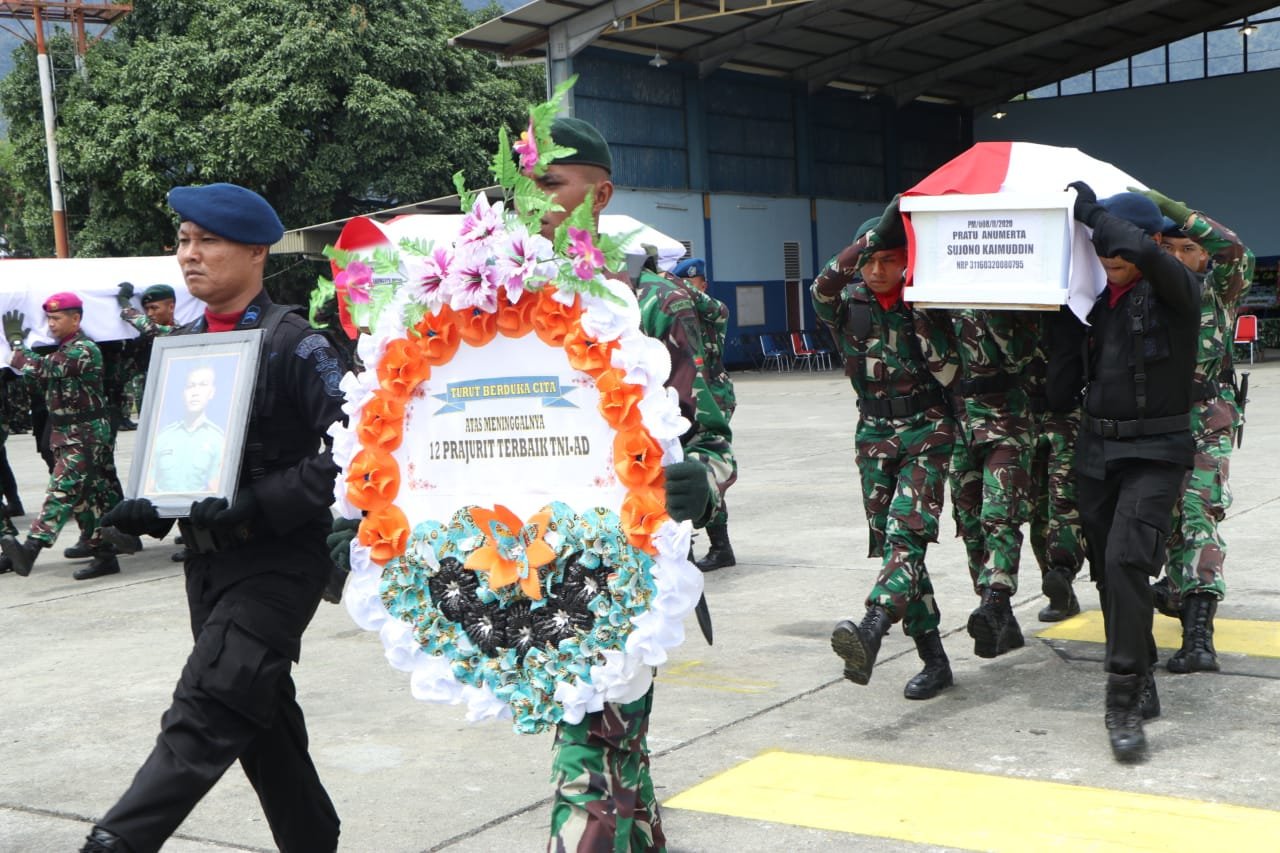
(1027, 167)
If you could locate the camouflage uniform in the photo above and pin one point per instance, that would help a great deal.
(1056, 537)
(902, 460)
(1196, 546)
(147, 328)
(604, 795)
(84, 480)
(713, 323)
(991, 491)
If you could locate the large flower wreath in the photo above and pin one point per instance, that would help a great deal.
(539, 619)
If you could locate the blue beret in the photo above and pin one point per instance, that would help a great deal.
(690, 268)
(1135, 209)
(230, 211)
(1169, 228)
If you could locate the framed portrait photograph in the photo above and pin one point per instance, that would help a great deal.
(195, 412)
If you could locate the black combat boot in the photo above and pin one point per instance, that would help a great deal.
(79, 551)
(1150, 699)
(720, 554)
(23, 554)
(103, 564)
(992, 626)
(101, 840)
(1063, 604)
(1164, 596)
(859, 644)
(936, 674)
(1197, 653)
(1124, 717)
(6, 565)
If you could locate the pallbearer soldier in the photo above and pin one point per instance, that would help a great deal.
(1056, 538)
(1196, 548)
(255, 567)
(991, 474)
(713, 322)
(903, 439)
(1135, 444)
(83, 480)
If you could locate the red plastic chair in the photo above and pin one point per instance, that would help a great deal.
(1247, 332)
(802, 350)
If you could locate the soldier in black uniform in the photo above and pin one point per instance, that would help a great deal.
(1135, 443)
(256, 567)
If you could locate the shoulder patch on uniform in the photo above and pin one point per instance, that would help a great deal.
(310, 344)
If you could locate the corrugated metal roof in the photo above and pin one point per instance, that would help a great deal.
(973, 52)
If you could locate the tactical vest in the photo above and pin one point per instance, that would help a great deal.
(855, 322)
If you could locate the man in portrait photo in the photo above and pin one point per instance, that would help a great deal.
(188, 452)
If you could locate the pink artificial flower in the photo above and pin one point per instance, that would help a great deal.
(355, 280)
(522, 260)
(527, 148)
(482, 222)
(427, 276)
(584, 254)
(472, 282)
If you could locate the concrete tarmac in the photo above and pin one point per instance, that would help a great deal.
(86, 669)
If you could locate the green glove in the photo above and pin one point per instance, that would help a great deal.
(124, 296)
(339, 541)
(14, 332)
(1175, 210)
(688, 491)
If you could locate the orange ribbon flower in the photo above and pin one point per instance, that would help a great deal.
(619, 400)
(516, 320)
(643, 512)
(552, 320)
(373, 479)
(381, 422)
(513, 550)
(385, 533)
(637, 458)
(587, 354)
(402, 367)
(440, 338)
(477, 326)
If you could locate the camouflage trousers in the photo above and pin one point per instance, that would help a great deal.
(1056, 536)
(903, 470)
(1196, 547)
(604, 800)
(83, 484)
(991, 495)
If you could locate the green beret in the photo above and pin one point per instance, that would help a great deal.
(590, 147)
(157, 293)
(866, 226)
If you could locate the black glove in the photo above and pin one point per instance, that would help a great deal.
(124, 295)
(217, 514)
(890, 229)
(339, 541)
(14, 332)
(136, 517)
(1087, 209)
(688, 490)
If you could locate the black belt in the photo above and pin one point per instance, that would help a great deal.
(1039, 405)
(1108, 428)
(900, 407)
(997, 384)
(78, 417)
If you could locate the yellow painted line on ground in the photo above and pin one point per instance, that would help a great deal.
(971, 810)
(1236, 636)
(692, 674)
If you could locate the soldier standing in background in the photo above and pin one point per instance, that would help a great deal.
(904, 443)
(991, 491)
(713, 320)
(1197, 550)
(84, 475)
(1056, 537)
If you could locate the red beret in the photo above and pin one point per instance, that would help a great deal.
(62, 302)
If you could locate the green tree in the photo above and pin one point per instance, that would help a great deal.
(329, 108)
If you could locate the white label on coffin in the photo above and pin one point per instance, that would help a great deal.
(511, 423)
(998, 249)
